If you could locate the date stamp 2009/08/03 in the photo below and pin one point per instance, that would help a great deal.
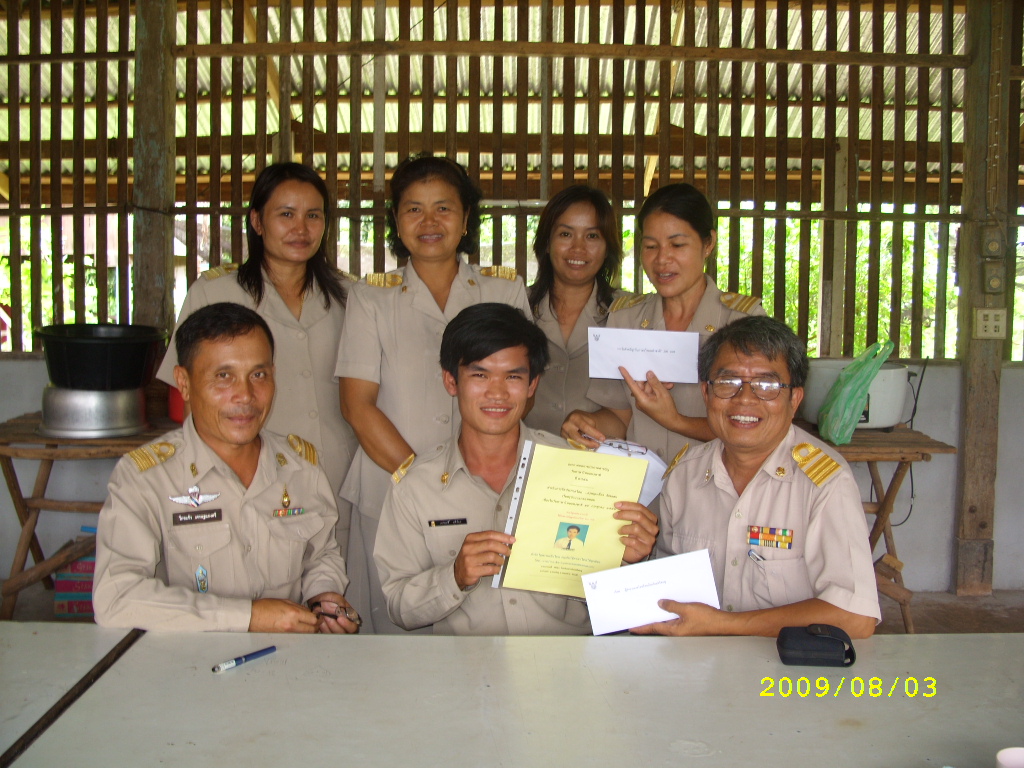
(873, 687)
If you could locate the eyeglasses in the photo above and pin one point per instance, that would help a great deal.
(763, 389)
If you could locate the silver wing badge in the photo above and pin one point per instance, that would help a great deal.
(194, 498)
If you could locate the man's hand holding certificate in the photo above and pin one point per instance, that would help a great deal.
(671, 355)
(573, 513)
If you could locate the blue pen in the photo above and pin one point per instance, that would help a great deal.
(231, 663)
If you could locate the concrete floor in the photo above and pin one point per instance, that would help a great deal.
(933, 612)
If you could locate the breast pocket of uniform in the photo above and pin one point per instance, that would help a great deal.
(681, 543)
(289, 538)
(781, 581)
(445, 541)
(198, 557)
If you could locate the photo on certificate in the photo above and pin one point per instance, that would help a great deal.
(561, 516)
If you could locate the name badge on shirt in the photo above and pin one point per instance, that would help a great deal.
(450, 521)
(199, 516)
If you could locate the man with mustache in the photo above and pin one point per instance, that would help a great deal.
(220, 525)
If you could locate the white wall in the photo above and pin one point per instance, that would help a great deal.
(21, 388)
(924, 542)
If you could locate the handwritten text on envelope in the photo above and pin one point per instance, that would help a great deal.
(672, 355)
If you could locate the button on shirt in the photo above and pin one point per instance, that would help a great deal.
(829, 558)
(148, 568)
(416, 561)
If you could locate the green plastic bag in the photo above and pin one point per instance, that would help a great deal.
(847, 397)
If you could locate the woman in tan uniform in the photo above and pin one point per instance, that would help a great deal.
(676, 225)
(289, 282)
(578, 251)
(388, 363)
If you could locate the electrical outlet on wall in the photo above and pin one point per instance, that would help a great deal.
(989, 323)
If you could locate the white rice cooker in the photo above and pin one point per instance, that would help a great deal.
(887, 394)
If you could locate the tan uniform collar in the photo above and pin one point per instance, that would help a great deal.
(200, 461)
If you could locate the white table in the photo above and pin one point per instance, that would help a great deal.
(615, 701)
(39, 663)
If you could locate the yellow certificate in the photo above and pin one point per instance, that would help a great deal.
(561, 516)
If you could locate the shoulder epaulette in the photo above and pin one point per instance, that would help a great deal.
(675, 460)
(384, 279)
(815, 463)
(224, 269)
(148, 456)
(627, 301)
(347, 276)
(399, 473)
(304, 448)
(505, 273)
(739, 302)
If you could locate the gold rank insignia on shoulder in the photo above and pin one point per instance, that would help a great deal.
(739, 302)
(627, 301)
(304, 448)
(384, 279)
(148, 456)
(348, 276)
(215, 272)
(499, 270)
(399, 473)
(675, 460)
(815, 463)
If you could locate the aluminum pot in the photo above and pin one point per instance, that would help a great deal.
(79, 413)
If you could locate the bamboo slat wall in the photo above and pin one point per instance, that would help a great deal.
(829, 133)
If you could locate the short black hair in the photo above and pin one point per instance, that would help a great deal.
(479, 331)
(214, 322)
(424, 167)
(757, 335)
(686, 203)
(570, 527)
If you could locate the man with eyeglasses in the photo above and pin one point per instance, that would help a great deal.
(778, 509)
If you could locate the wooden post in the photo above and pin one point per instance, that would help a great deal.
(982, 238)
(833, 260)
(155, 95)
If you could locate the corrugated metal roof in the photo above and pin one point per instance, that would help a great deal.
(746, 87)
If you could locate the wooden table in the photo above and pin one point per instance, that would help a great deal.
(535, 701)
(40, 664)
(20, 439)
(903, 446)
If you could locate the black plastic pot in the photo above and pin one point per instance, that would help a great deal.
(102, 357)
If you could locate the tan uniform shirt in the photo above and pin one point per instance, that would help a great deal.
(306, 402)
(392, 337)
(563, 387)
(715, 310)
(416, 560)
(165, 563)
(804, 497)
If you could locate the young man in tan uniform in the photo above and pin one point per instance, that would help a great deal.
(778, 509)
(219, 525)
(440, 530)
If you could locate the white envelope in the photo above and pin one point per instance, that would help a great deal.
(627, 597)
(672, 355)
